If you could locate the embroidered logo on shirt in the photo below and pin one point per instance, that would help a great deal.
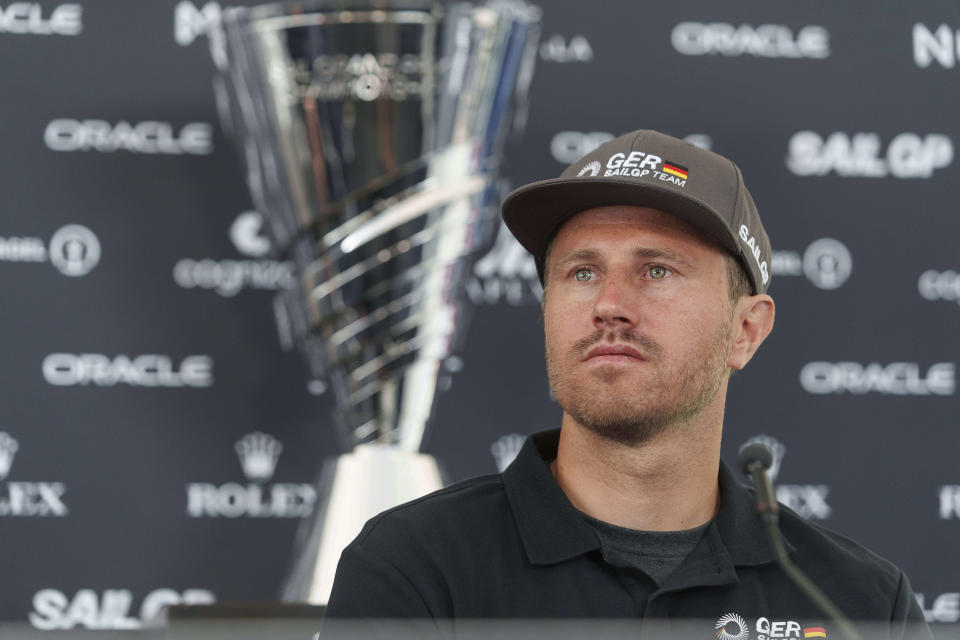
(731, 626)
(787, 630)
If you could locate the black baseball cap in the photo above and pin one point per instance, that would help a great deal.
(648, 169)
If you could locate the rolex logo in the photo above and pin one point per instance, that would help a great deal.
(26, 499)
(258, 455)
(257, 498)
(8, 449)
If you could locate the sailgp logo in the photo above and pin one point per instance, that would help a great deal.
(639, 164)
(862, 155)
(731, 626)
(753, 246)
(590, 169)
(785, 629)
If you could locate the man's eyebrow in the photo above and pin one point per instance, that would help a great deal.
(579, 255)
(646, 253)
(664, 254)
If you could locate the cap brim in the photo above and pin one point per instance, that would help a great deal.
(534, 212)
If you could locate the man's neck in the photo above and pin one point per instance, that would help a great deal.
(668, 483)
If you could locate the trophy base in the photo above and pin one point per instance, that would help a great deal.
(353, 488)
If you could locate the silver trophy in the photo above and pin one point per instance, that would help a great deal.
(371, 134)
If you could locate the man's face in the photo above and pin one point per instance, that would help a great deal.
(637, 320)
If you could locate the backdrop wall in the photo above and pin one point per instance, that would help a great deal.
(139, 343)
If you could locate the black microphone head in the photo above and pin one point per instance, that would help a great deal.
(755, 452)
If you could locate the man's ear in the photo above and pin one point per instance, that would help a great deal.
(752, 323)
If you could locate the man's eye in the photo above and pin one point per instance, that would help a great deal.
(583, 275)
(658, 273)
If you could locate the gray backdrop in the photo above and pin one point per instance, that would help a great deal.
(137, 288)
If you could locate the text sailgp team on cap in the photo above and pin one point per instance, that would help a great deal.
(648, 169)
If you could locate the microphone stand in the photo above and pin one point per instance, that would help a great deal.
(769, 513)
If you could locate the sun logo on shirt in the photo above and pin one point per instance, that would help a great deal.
(730, 626)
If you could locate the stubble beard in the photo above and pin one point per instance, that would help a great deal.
(635, 416)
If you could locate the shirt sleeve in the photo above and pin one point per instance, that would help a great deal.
(907, 620)
(368, 586)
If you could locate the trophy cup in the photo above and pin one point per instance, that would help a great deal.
(371, 133)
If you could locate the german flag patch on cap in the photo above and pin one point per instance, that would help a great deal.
(675, 169)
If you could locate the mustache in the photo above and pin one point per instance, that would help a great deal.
(645, 345)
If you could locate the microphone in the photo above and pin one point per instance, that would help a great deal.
(755, 458)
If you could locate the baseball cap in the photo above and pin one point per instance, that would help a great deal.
(649, 169)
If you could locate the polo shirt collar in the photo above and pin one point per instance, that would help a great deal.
(552, 530)
(740, 528)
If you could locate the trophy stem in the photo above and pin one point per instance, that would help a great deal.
(353, 487)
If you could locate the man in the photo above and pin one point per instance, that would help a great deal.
(655, 268)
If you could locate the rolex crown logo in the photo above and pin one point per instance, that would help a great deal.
(8, 448)
(258, 455)
(506, 448)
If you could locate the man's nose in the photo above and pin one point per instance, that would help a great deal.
(611, 307)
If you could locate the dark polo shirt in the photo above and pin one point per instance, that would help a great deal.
(512, 545)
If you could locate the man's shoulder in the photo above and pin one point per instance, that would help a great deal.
(463, 510)
(406, 560)
(819, 547)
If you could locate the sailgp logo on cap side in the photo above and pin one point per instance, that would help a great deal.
(639, 164)
(753, 247)
(590, 169)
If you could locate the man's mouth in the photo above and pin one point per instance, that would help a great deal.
(614, 353)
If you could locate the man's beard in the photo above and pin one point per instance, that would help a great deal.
(668, 398)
